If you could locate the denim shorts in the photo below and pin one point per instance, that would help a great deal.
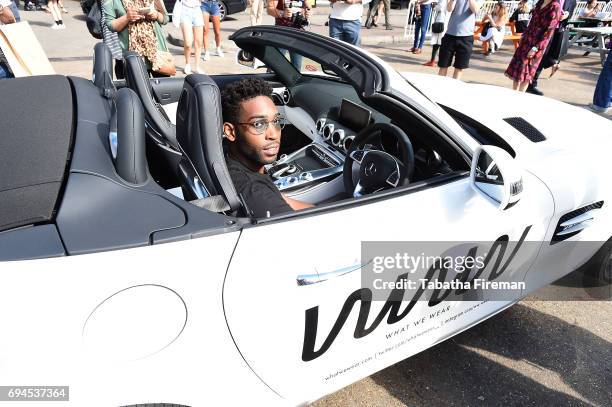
(211, 7)
(192, 17)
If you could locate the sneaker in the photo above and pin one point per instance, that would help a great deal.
(597, 109)
(187, 69)
(430, 63)
(206, 56)
(219, 52)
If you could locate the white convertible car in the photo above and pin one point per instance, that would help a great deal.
(134, 274)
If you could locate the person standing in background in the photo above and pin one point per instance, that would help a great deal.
(552, 55)
(212, 11)
(283, 12)
(422, 24)
(256, 9)
(192, 23)
(374, 8)
(56, 13)
(345, 20)
(602, 98)
(458, 41)
(527, 57)
(521, 16)
(438, 28)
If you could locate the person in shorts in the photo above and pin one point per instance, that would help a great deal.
(192, 27)
(212, 11)
(458, 41)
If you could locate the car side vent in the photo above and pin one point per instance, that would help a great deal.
(575, 221)
(525, 128)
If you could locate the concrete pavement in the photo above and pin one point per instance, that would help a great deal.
(70, 52)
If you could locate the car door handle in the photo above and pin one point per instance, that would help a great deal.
(309, 279)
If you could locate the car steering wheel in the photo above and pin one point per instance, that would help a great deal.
(378, 170)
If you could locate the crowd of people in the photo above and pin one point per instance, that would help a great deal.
(137, 25)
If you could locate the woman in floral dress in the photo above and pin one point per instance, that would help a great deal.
(527, 57)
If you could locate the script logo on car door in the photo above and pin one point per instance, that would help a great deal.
(391, 308)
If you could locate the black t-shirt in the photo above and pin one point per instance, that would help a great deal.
(258, 191)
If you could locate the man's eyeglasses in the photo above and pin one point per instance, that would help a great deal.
(260, 126)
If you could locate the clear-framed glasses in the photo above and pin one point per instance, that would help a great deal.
(261, 125)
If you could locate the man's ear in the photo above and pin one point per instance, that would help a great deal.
(230, 131)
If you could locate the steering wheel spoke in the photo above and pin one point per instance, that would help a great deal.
(358, 155)
(393, 179)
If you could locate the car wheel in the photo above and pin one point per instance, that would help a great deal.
(223, 10)
(600, 265)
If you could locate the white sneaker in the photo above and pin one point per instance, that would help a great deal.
(219, 52)
(206, 56)
(200, 70)
(187, 69)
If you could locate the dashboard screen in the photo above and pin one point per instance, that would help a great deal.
(353, 116)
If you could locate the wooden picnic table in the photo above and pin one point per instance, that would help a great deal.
(600, 33)
(512, 36)
(605, 21)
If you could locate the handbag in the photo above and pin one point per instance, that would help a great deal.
(437, 27)
(176, 14)
(166, 63)
(94, 21)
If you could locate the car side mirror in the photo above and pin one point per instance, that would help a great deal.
(244, 58)
(495, 175)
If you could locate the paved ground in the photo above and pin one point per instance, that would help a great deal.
(536, 353)
(70, 52)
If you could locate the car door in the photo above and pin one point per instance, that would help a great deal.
(294, 297)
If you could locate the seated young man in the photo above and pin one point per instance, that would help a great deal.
(252, 126)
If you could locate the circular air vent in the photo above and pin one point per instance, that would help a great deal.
(321, 125)
(327, 131)
(348, 142)
(286, 96)
(337, 137)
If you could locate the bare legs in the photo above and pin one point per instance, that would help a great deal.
(457, 73)
(192, 35)
(520, 86)
(216, 20)
(56, 13)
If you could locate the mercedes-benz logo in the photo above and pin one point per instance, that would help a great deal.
(370, 170)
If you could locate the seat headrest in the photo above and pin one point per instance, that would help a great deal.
(199, 131)
(131, 161)
(137, 79)
(102, 75)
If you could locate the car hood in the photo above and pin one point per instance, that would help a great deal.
(564, 126)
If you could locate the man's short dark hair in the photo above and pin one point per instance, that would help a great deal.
(237, 92)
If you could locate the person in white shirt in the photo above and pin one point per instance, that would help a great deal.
(345, 20)
(438, 29)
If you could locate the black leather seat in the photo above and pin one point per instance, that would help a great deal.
(102, 75)
(199, 130)
(137, 79)
(131, 160)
